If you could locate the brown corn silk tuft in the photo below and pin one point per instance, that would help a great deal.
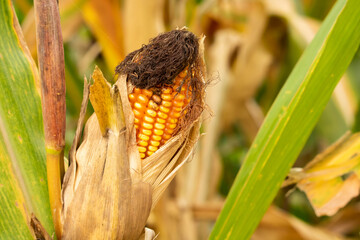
(168, 89)
(109, 190)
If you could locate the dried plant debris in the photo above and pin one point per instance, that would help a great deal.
(38, 230)
(110, 186)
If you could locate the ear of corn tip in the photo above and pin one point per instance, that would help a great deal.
(157, 115)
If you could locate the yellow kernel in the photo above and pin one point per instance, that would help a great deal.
(159, 126)
(177, 109)
(138, 106)
(178, 79)
(143, 137)
(160, 120)
(166, 97)
(167, 90)
(148, 119)
(136, 120)
(173, 120)
(166, 104)
(132, 97)
(183, 73)
(164, 109)
(154, 143)
(156, 137)
(153, 105)
(149, 153)
(176, 89)
(171, 125)
(146, 131)
(175, 114)
(142, 149)
(156, 98)
(147, 92)
(151, 112)
(177, 103)
(158, 132)
(142, 155)
(162, 115)
(137, 90)
(152, 148)
(147, 125)
(142, 99)
(137, 113)
(179, 96)
(169, 130)
(166, 136)
(143, 143)
(136, 126)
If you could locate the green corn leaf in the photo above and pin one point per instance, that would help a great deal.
(23, 184)
(290, 122)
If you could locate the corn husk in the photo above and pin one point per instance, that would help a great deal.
(108, 191)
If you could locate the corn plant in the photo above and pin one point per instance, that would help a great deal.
(144, 129)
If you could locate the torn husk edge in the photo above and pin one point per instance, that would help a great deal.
(108, 191)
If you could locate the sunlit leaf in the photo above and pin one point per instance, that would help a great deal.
(332, 179)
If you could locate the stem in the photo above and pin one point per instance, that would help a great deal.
(52, 74)
(53, 162)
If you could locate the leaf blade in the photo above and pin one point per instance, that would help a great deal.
(290, 121)
(21, 129)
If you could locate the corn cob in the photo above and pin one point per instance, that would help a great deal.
(157, 113)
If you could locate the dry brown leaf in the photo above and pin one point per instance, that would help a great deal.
(226, 41)
(142, 20)
(345, 222)
(278, 225)
(248, 71)
(332, 179)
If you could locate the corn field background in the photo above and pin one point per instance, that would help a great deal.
(251, 49)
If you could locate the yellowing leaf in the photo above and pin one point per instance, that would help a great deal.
(327, 197)
(331, 180)
(103, 99)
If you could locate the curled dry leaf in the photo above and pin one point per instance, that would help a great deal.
(332, 179)
(110, 186)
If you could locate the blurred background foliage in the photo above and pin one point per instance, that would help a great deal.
(251, 47)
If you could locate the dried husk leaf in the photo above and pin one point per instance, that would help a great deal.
(101, 200)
